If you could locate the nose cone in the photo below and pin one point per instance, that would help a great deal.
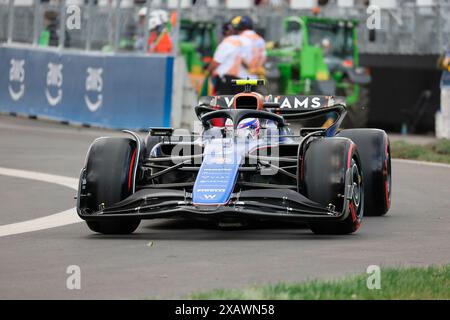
(218, 173)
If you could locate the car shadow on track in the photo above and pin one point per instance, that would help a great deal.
(191, 230)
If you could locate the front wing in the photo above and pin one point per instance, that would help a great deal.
(272, 204)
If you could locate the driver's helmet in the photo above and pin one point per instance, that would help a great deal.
(247, 128)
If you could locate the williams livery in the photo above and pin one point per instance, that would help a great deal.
(245, 164)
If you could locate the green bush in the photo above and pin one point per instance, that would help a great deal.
(435, 152)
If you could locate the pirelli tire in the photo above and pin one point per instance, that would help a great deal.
(325, 165)
(375, 152)
(109, 178)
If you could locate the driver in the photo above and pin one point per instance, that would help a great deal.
(248, 128)
(326, 46)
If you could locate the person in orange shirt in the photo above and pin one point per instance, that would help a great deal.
(253, 47)
(159, 40)
(226, 64)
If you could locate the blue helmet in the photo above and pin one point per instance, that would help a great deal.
(240, 23)
(249, 127)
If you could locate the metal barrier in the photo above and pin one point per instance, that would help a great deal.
(410, 30)
(116, 91)
(101, 28)
(407, 28)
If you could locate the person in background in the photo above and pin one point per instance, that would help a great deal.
(327, 46)
(50, 35)
(227, 29)
(253, 48)
(159, 40)
(140, 32)
(443, 115)
(444, 60)
(226, 64)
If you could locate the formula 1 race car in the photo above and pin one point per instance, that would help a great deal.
(246, 163)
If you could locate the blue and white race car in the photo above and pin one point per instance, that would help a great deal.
(246, 164)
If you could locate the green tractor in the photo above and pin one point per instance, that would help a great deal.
(198, 41)
(318, 55)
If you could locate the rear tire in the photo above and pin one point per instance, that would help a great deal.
(325, 164)
(375, 152)
(109, 180)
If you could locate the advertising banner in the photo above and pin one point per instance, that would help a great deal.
(116, 91)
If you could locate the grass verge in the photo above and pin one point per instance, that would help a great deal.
(435, 152)
(396, 283)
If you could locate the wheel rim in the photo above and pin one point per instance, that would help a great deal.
(388, 180)
(357, 187)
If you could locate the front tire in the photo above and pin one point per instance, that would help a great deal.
(113, 227)
(325, 167)
(108, 179)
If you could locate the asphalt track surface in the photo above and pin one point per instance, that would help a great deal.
(170, 259)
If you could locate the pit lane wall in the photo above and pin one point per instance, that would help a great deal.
(106, 90)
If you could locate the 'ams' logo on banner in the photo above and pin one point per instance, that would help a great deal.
(53, 92)
(94, 84)
(16, 78)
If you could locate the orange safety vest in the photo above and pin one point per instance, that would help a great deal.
(159, 43)
(237, 63)
(234, 70)
(256, 65)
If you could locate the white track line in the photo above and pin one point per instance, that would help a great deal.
(70, 216)
(43, 177)
(52, 221)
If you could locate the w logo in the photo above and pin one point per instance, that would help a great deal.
(209, 196)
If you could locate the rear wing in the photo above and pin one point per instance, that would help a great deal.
(281, 103)
(288, 107)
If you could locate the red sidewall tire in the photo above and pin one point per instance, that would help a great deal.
(109, 178)
(374, 150)
(326, 162)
